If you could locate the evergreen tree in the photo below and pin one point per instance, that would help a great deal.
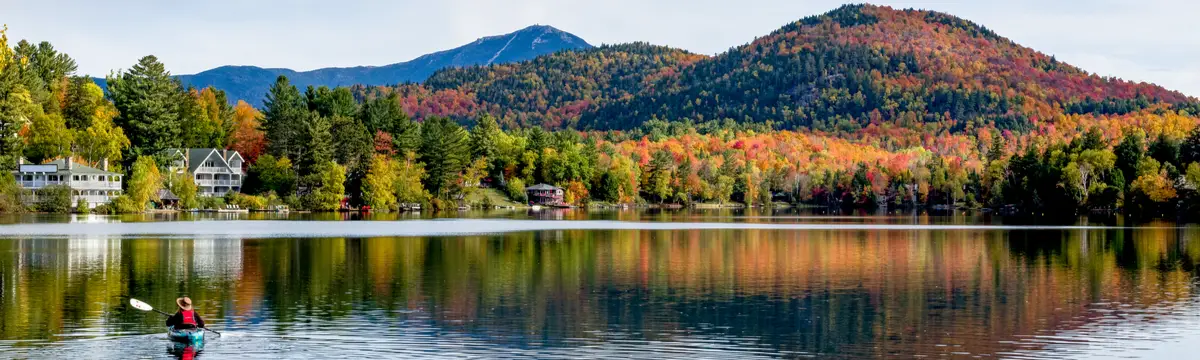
(445, 152)
(285, 118)
(330, 103)
(1129, 153)
(147, 102)
(83, 98)
(318, 149)
(1189, 151)
(485, 138)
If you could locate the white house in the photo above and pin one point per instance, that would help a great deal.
(216, 172)
(96, 186)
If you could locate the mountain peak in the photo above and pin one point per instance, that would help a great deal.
(251, 83)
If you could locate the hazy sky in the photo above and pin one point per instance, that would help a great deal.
(1150, 40)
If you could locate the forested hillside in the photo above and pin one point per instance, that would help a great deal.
(841, 71)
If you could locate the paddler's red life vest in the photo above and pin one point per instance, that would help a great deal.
(189, 317)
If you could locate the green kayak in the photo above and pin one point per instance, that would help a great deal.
(190, 336)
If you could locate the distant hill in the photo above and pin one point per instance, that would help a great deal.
(250, 83)
(843, 70)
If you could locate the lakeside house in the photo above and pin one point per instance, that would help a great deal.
(96, 186)
(545, 195)
(215, 171)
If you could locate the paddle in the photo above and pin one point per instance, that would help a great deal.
(140, 305)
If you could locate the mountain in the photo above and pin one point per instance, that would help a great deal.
(550, 90)
(850, 68)
(250, 83)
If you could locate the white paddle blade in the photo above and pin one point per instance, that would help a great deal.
(138, 304)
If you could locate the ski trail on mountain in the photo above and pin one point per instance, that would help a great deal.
(510, 40)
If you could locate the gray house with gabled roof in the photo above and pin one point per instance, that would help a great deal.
(215, 171)
(96, 186)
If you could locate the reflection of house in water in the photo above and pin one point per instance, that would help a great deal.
(216, 258)
(90, 253)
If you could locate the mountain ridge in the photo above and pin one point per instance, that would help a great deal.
(846, 69)
(250, 83)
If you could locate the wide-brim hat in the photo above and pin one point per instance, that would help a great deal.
(184, 303)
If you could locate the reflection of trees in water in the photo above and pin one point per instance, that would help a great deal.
(870, 293)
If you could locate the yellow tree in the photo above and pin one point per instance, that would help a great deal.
(103, 139)
(379, 186)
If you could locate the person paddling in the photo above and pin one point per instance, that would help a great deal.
(186, 317)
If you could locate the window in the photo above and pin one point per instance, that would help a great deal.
(75, 178)
(28, 177)
(102, 178)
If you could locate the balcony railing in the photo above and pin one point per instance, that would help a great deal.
(222, 182)
(219, 170)
(77, 185)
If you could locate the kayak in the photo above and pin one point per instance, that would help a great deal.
(191, 336)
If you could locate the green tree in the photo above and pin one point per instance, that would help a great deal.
(330, 103)
(319, 147)
(10, 193)
(147, 102)
(206, 118)
(1189, 150)
(48, 138)
(1165, 150)
(355, 145)
(46, 63)
(383, 114)
(17, 106)
(84, 98)
(326, 187)
(271, 174)
(1193, 175)
(445, 152)
(485, 138)
(285, 120)
(1129, 153)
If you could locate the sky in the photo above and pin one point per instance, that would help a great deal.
(1150, 40)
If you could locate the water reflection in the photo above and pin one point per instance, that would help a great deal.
(588, 293)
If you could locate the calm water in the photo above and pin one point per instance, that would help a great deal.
(744, 286)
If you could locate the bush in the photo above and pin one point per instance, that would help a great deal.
(81, 206)
(126, 205)
(248, 201)
(211, 202)
(103, 209)
(10, 194)
(516, 190)
(54, 199)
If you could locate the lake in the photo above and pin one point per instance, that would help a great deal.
(577, 284)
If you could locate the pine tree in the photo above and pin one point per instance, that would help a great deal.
(318, 148)
(147, 102)
(285, 116)
(445, 152)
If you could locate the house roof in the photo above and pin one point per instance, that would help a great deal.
(195, 157)
(542, 187)
(78, 169)
(164, 194)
